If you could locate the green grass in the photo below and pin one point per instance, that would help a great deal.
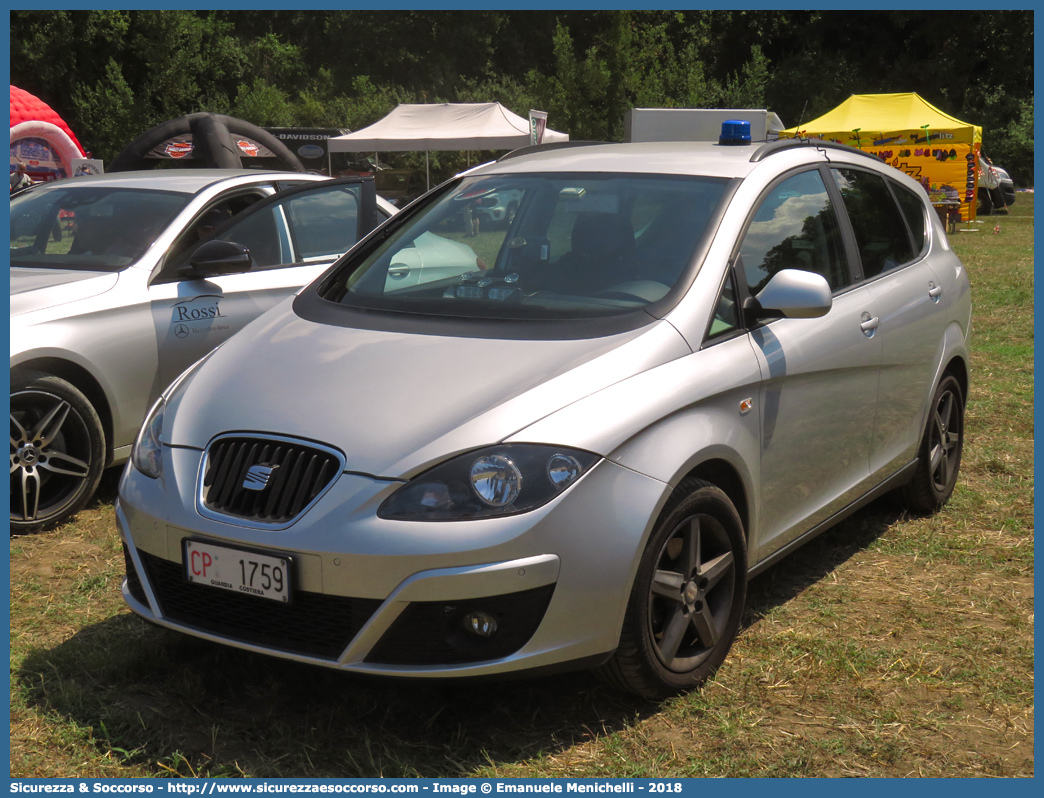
(890, 646)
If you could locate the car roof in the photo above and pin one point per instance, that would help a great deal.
(188, 181)
(660, 157)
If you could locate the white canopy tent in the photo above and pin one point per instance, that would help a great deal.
(443, 126)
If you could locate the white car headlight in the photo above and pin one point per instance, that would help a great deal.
(501, 480)
(146, 454)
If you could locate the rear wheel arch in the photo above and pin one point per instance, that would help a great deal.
(84, 382)
(959, 370)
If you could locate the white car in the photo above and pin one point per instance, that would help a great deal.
(996, 188)
(120, 282)
(429, 258)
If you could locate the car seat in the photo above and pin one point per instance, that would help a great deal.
(601, 255)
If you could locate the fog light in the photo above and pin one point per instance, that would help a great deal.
(480, 623)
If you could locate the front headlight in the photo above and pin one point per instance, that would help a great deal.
(502, 480)
(146, 454)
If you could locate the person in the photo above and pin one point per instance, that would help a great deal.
(212, 219)
(19, 179)
(471, 219)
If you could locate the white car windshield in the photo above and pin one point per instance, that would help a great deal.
(553, 246)
(88, 228)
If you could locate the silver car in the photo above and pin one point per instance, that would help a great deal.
(498, 207)
(682, 362)
(120, 282)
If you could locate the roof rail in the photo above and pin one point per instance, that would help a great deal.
(551, 145)
(773, 147)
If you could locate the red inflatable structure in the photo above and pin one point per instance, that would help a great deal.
(40, 138)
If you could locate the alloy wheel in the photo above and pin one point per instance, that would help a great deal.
(50, 456)
(691, 592)
(945, 440)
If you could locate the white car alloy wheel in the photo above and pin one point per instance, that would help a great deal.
(57, 451)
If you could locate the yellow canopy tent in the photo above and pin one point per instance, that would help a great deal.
(936, 149)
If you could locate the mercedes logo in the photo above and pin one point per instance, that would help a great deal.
(181, 331)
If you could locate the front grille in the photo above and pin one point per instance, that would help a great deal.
(287, 476)
(313, 624)
(432, 632)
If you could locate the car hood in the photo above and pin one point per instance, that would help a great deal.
(35, 289)
(396, 403)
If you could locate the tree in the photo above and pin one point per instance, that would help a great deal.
(112, 74)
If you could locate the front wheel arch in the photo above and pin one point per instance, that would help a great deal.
(83, 381)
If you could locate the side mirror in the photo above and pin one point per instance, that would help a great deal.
(793, 294)
(215, 258)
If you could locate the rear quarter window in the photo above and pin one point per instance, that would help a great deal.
(913, 209)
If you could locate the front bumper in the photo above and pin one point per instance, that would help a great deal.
(379, 596)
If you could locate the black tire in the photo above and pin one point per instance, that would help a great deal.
(57, 451)
(939, 457)
(985, 206)
(997, 198)
(687, 600)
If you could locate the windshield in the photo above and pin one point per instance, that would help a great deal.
(88, 228)
(535, 246)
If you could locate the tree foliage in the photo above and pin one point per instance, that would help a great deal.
(112, 74)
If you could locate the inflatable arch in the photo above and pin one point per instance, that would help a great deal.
(40, 138)
(210, 140)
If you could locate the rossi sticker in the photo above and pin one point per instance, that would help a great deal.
(196, 315)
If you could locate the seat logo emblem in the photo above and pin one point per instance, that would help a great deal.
(258, 476)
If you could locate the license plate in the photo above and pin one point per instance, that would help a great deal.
(247, 572)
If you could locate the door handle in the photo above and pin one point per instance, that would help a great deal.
(398, 271)
(934, 291)
(869, 325)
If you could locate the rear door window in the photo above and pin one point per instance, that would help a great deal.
(882, 236)
(324, 224)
